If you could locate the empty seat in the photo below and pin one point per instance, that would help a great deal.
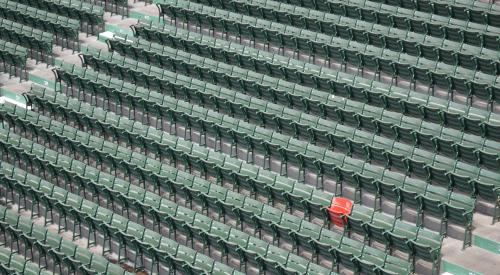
(447, 76)
(62, 27)
(457, 115)
(92, 15)
(361, 31)
(103, 220)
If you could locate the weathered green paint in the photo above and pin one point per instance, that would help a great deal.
(42, 81)
(456, 269)
(487, 244)
(142, 16)
(116, 29)
(11, 95)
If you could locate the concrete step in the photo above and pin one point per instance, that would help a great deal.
(485, 234)
(485, 249)
(473, 260)
(486, 243)
(448, 268)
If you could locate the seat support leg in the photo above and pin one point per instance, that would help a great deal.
(496, 212)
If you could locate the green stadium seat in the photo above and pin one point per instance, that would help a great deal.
(14, 58)
(106, 217)
(84, 12)
(61, 250)
(357, 219)
(422, 22)
(40, 42)
(347, 252)
(396, 104)
(10, 262)
(477, 12)
(391, 63)
(61, 26)
(425, 246)
(370, 260)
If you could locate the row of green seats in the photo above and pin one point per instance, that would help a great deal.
(392, 232)
(62, 27)
(14, 59)
(468, 10)
(428, 197)
(282, 225)
(437, 110)
(257, 110)
(214, 163)
(396, 64)
(13, 263)
(113, 6)
(201, 227)
(416, 44)
(376, 225)
(303, 154)
(413, 160)
(476, 34)
(92, 15)
(60, 250)
(34, 39)
(195, 225)
(113, 226)
(144, 97)
(113, 2)
(412, 192)
(395, 233)
(352, 254)
(103, 82)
